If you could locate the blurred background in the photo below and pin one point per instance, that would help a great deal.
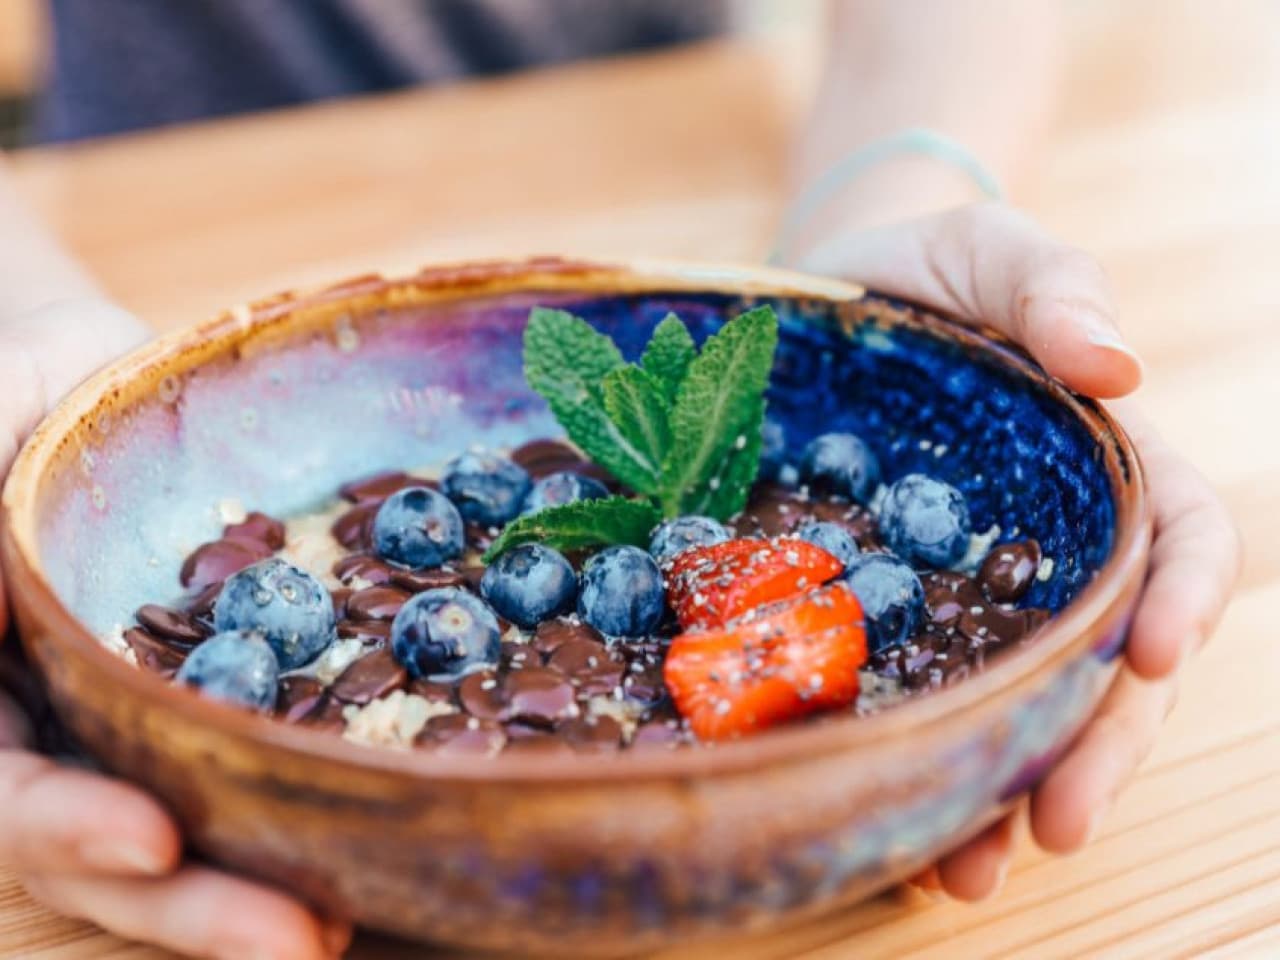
(1160, 156)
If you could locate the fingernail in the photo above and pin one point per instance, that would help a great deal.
(1002, 874)
(1100, 333)
(122, 856)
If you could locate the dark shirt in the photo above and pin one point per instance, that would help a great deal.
(120, 65)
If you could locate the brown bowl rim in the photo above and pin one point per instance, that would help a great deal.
(1059, 642)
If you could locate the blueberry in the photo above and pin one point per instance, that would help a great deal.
(236, 666)
(622, 593)
(560, 488)
(288, 606)
(673, 536)
(487, 488)
(840, 464)
(831, 537)
(445, 632)
(891, 595)
(418, 527)
(925, 521)
(774, 464)
(528, 584)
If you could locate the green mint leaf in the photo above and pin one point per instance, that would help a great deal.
(729, 487)
(567, 351)
(668, 355)
(634, 402)
(584, 523)
(717, 403)
(566, 361)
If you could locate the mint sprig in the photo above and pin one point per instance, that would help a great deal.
(681, 428)
(584, 523)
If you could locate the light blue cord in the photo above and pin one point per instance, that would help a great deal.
(835, 178)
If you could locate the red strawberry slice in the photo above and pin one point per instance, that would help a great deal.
(709, 586)
(780, 662)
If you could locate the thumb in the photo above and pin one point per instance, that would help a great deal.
(990, 264)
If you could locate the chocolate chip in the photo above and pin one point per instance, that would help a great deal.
(378, 487)
(456, 733)
(364, 567)
(354, 529)
(473, 575)
(539, 696)
(415, 581)
(376, 603)
(258, 528)
(776, 510)
(658, 733)
(601, 734)
(991, 626)
(1009, 570)
(214, 562)
(154, 654)
(368, 631)
(552, 633)
(482, 694)
(339, 598)
(644, 685)
(299, 698)
(174, 626)
(948, 595)
(432, 690)
(544, 457)
(517, 656)
(201, 605)
(590, 666)
(328, 716)
(479, 536)
(372, 676)
(535, 742)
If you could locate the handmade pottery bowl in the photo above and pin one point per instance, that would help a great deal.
(277, 403)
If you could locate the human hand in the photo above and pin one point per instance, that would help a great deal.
(987, 262)
(85, 844)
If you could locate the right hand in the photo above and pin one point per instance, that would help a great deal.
(85, 844)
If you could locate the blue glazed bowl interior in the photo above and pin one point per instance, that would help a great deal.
(282, 420)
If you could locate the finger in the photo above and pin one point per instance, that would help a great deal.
(991, 264)
(60, 819)
(198, 912)
(1068, 807)
(1195, 560)
(978, 869)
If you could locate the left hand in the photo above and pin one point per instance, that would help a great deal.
(989, 263)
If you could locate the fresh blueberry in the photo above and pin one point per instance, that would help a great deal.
(673, 536)
(774, 464)
(529, 584)
(925, 521)
(236, 666)
(891, 595)
(831, 537)
(418, 527)
(840, 464)
(557, 489)
(445, 632)
(288, 606)
(622, 593)
(487, 488)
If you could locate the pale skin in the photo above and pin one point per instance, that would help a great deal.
(93, 847)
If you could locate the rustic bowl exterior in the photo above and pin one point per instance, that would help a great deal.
(563, 854)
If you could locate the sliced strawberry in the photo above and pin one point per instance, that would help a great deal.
(780, 662)
(709, 586)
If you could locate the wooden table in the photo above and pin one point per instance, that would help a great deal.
(1164, 163)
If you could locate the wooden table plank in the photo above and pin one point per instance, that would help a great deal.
(1162, 163)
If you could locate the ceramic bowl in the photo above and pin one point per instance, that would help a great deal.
(277, 403)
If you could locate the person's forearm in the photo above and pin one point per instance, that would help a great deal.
(34, 268)
(982, 72)
(53, 315)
